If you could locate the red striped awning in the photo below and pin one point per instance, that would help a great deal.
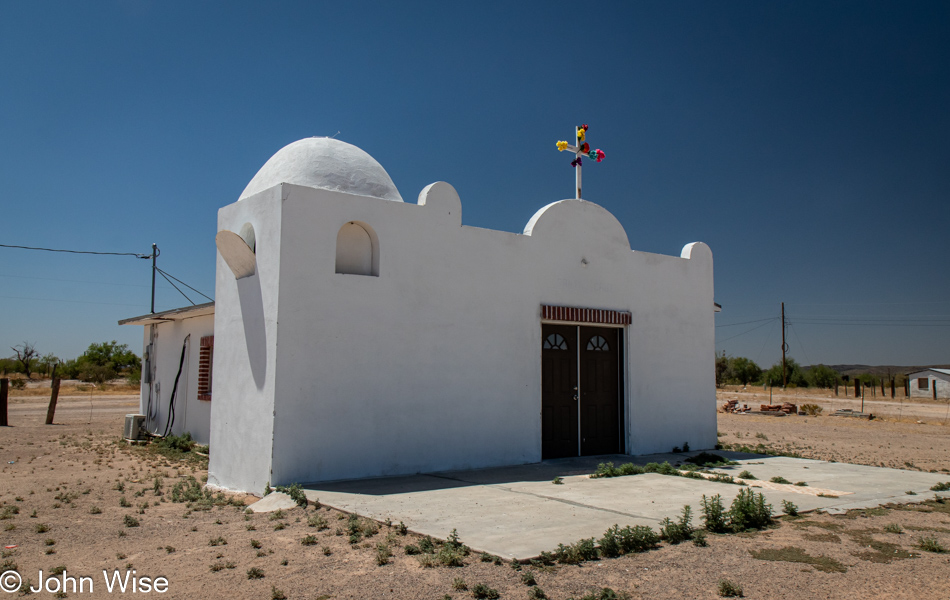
(585, 315)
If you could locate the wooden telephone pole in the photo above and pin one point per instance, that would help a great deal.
(784, 349)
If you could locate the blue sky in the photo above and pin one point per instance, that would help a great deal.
(808, 143)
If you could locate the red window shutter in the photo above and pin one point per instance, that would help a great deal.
(205, 361)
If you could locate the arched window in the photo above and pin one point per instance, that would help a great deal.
(598, 344)
(247, 234)
(555, 341)
(357, 250)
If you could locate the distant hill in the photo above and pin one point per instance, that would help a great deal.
(852, 370)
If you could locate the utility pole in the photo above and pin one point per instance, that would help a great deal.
(784, 348)
(154, 256)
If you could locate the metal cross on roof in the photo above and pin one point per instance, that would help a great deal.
(581, 150)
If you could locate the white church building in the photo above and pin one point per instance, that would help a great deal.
(358, 335)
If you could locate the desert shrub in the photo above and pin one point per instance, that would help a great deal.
(638, 538)
(309, 540)
(412, 549)
(609, 470)
(679, 531)
(727, 589)
(941, 487)
(255, 573)
(459, 584)
(383, 553)
(536, 593)
(450, 556)
(318, 521)
(178, 443)
(893, 528)
(130, 521)
(610, 543)
(790, 508)
(576, 553)
(18, 383)
(930, 544)
(812, 410)
(187, 490)
(276, 594)
(527, 578)
(746, 475)
(699, 538)
(749, 511)
(779, 479)
(427, 545)
(480, 591)
(708, 459)
(295, 492)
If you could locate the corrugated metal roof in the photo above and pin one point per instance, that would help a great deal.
(175, 314)
(941, 371)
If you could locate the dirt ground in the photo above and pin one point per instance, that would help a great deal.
(70, 492)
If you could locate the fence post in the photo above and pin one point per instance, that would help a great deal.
(4, 391)
(893, 391)
(857, 388)
(53, 397)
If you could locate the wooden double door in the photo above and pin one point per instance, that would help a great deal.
(581, 375)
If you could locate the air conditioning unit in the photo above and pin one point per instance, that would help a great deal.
(134, 428)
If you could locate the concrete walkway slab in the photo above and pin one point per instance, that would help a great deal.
(517, 512)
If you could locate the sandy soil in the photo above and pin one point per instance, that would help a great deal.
(71, 478)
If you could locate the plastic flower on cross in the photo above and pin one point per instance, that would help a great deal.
(585, 148)
(577, 161)
(600, 155)
(580, 134)
(592, 155)
(561, 146)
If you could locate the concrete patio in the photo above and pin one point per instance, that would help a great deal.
(517, 512)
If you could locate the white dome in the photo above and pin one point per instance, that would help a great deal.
(326, 164)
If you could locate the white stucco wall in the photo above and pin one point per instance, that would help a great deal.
(940, 380)
(245, 351)
(191, 415)
(436, 363)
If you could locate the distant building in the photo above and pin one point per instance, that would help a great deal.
(930, 383)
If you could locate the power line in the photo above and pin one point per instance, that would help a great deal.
(745, 332)
(746, 322)
(139, 285)
(135, 254)
(68, 301)
(165, 274)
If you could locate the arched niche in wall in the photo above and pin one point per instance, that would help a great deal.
(238, 250)
(357, 250)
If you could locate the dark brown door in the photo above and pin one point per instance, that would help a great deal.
(583, 421)
(600, 391)
(558, 391)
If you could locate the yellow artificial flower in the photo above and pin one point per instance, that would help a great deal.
(580, 134)
(561, 146)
